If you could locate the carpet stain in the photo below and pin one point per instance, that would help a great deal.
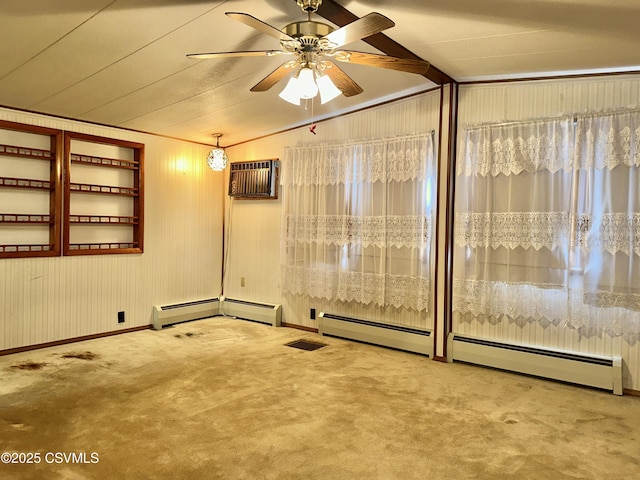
(30, 366)
(188, 334)
(81, 355)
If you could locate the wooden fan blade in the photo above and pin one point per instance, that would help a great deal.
(246, 53)
(274, 77)
(344, 82)
(384, 61)
(259, 25)
(358, 29)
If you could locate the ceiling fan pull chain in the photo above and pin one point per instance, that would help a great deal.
(313, 126)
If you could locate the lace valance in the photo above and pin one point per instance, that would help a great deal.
(513, 229)
(606, 140)
(511, 148)
(397, 159)
(413, 231)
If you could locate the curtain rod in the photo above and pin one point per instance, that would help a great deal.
(517, 122)
(542, 119)
(366, 140)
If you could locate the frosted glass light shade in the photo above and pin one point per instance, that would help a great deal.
(217, 159)
(307, 84)
(328, 90)
(290, 92)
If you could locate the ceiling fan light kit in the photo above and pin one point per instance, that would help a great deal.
(315, 46)
(307, 84)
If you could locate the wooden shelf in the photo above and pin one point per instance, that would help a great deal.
(10, 182)
(104, 162)
(25, 152)
(103, 189)
(26, 248)
(25, 218)
(102, 220)
(98, 247)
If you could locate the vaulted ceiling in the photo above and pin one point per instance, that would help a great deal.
(123, 63)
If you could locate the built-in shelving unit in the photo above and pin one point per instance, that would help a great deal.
(30, 193)
(69, 193)
(103, 195)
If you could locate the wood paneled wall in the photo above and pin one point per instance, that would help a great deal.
(50, 299)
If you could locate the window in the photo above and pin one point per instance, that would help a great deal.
(357, 221)
(548, 223)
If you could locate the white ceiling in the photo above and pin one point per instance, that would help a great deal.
(122, 62)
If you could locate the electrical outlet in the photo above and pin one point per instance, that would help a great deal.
(312, 314)
(120, 317)
(242, 281)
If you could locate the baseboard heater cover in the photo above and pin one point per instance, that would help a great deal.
(271, 314)
(164, 315)
(393, 336)
(572, 367)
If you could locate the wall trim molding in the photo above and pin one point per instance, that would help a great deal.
(66, 341)
(541, 78)
(299, 327)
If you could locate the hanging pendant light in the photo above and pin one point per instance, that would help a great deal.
(217, 158)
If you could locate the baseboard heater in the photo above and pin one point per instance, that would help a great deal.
(577, 368)
(393, 336)
(258, 312)
(164, 315)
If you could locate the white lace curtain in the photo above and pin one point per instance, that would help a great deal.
(357, 221)
(607, 156)
(548, 223)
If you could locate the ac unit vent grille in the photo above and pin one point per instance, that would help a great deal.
(255, 179)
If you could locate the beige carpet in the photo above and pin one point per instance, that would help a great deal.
(225, 399)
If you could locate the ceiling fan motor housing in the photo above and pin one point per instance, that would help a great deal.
(308, 29)
(307, 34)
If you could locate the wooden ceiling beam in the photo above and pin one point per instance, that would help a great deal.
(340, 16)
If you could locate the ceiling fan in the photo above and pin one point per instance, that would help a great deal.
(314, 46)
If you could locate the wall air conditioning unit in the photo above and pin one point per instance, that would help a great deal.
(256, 179)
